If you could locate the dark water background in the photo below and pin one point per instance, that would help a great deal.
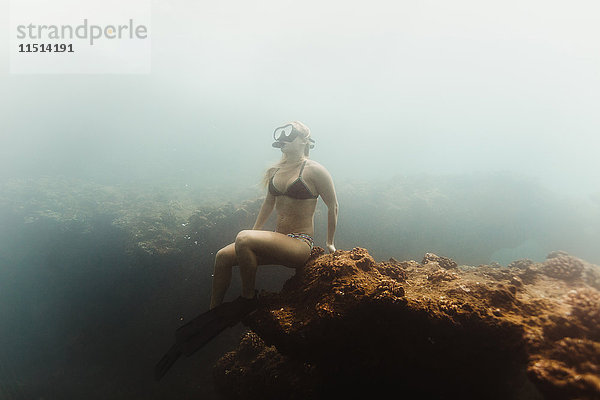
(84, 316)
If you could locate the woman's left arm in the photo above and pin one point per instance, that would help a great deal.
(325, 188)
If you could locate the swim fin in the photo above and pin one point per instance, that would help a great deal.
(167, 361)
(192, 336)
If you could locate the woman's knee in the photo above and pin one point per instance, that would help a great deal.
(225, 256)
(243, 239)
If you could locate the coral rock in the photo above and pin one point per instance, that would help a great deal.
(586, 309)
(347, 326)
(521, 264)
(562, 266)
(443, 262)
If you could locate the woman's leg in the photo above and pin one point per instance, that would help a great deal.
(224, 261)
(254, 248)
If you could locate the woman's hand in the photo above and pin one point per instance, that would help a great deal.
(331, 248)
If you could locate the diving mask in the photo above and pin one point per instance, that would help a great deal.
(287, 133)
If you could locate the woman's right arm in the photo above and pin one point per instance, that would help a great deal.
(265, 211)
(324, 184)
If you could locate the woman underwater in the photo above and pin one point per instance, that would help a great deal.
(294, 184)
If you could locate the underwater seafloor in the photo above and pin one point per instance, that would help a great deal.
(346, 326)
(95, 278)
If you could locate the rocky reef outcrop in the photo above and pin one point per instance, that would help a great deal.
(347, 326)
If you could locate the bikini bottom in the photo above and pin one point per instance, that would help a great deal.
(304, 237)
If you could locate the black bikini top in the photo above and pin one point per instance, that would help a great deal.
(297, 190)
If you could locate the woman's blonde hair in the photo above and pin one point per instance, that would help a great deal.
(305, 133)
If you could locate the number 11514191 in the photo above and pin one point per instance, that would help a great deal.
(45, 48)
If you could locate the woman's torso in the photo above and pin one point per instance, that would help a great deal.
(294, 214)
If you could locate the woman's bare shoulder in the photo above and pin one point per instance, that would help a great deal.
(315, 165)
(317, 169)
